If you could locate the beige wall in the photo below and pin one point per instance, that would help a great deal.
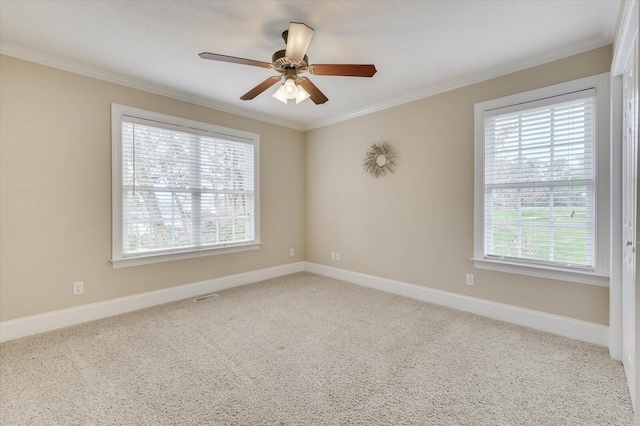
(416, 225)
(55, 195)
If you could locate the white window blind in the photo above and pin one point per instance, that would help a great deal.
(184, 191)
(539, 182)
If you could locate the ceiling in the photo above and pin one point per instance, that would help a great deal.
(419, 47)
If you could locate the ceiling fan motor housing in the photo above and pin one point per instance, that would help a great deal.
(295, 62)
(280, 60)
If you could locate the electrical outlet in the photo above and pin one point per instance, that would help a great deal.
(333, 255)
(292, 252)
(470, 279)
(78, 288)
(338, 255)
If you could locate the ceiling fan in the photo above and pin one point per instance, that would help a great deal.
(292, 62)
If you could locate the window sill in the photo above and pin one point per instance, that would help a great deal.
(582, 277)
(126, 262)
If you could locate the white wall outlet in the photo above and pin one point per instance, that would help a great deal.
(333, 255)
(470, 279)
(78, 288)
(338, 255)
(292, 252)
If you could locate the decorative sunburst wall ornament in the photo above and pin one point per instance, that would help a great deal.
(380, 158)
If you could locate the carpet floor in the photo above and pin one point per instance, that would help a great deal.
(307, 350)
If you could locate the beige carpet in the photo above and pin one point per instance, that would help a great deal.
(307, 350)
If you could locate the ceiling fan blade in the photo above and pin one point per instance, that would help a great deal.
(233, 59)
(261, 88)
(348, 70)
(314, 93)
(298, 40)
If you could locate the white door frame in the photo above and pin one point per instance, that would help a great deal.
(629, 218)
(615, 271)
(623, 43)
(626, 34)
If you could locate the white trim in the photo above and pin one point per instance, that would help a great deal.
(21, 327)
(615, 271)
(626, 34)
(576, 276)
(543, 58)
(611, 15)
(602, 147)
(120, 113)
(554, 55)
(62, 64)
(556, 324)
(169, 257)
(575, 329)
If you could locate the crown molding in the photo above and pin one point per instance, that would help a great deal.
(550, 56)
(62, 64)
(625, 35)
(613, 16)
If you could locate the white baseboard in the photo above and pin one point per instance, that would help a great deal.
(569, 327)
(21, 327)
(575, 329)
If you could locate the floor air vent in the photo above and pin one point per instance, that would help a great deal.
(208, 296)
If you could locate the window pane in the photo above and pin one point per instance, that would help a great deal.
(546, 224)
(539, 184)
(226, 166)
(225, 217)
(158, 158)
(184, 190)
(549, 143)
(157, 221)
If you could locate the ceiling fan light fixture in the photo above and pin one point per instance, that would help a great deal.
(301, 95)
(290, 90)
(280, 94)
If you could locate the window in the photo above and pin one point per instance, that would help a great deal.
(541, 193)
(181, 188)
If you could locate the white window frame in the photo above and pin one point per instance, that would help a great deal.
(119, 113)
(600, 274)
